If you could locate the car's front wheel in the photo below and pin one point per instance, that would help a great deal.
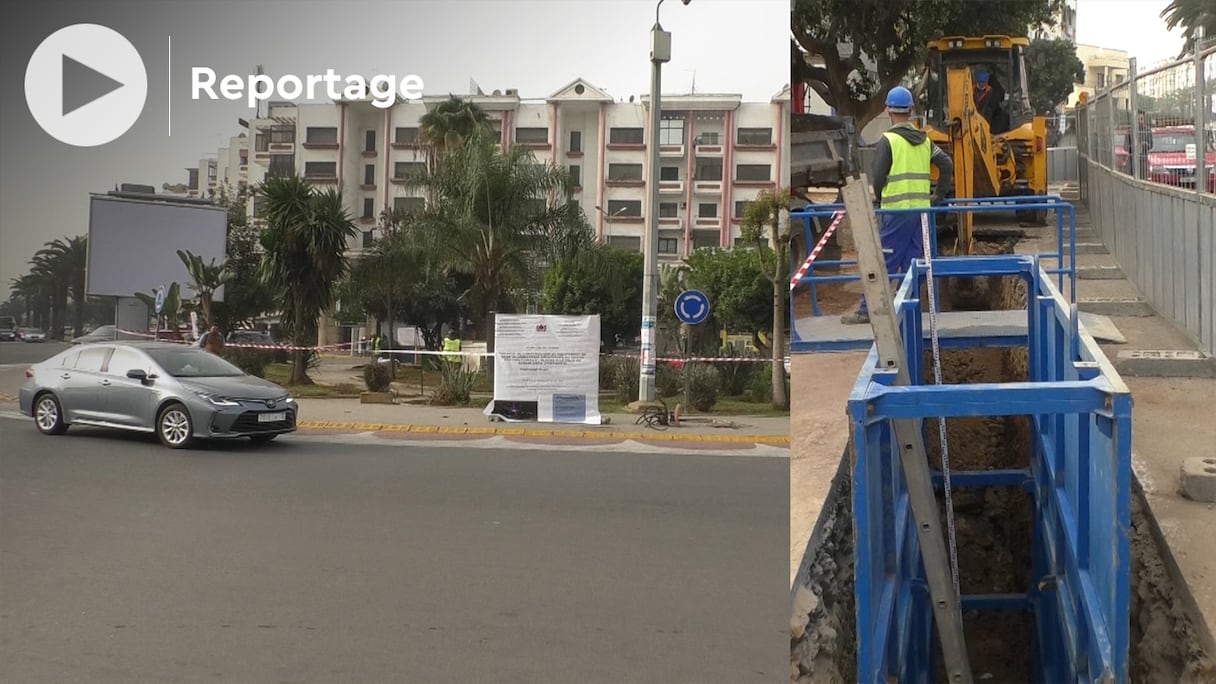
(48, 415)
(174, 427)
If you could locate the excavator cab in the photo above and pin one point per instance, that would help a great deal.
(976, 105)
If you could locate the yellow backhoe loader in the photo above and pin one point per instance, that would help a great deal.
(997, 143)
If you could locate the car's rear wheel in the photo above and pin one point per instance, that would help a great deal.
(174, 427)
(48, 415)
(261, 439)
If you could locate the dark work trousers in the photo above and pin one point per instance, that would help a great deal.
(901, 243)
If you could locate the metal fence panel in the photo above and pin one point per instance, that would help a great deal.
(1061, 164)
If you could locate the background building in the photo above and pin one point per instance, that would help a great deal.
(1103, 67)
(718, 153)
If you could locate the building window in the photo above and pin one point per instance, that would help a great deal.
(403, 170)
(403, 205)
(671, 131)
(668, 245)
(261, 143)
(1101, 79)
(283, 135)
(626, 136)
(753, 172)
(625, 242)
(705, 238)
(576, 141)
(625, 208)
(755, 136)
(369, 207)
(741, 208)
(282, 165)
(668, 210)
(496, 126)
(211, 171)
(576, 175)
(532, 136)
(669, 173)
(577, 207)
(327, 135)
(624, 172)
(709, 169)
(369, 174)
(707, 210)
(320, 169)
(405, 136)
(244, 156)
(369, 239)
(709, 138)
(369, 141)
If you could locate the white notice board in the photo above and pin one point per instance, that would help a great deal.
(551, 360)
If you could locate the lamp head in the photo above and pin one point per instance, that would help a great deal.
(685, 2)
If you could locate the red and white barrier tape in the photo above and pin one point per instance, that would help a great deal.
(806, 265)
(239, 345)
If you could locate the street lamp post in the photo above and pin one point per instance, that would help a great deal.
(608, 219)
(660, 52)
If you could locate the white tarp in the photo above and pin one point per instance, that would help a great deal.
(553, 361)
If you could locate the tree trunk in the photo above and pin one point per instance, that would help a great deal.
(78, 315)
(299, 375)
(781, 398)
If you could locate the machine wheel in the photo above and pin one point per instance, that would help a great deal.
(48, 415)
(174, 426)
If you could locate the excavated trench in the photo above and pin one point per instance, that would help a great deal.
(993, 535)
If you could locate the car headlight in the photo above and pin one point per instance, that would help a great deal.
(1157, 169)
(289, 399)
(217, 400)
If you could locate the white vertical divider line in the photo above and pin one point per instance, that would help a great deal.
(169, 77)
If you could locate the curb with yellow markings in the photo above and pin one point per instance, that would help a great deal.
(774, 440)
(7, 397)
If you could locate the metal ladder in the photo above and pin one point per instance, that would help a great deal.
(947, 609)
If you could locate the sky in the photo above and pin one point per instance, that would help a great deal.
(1132, 25)
(728, 46)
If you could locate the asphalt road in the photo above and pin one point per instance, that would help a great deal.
(307, 561)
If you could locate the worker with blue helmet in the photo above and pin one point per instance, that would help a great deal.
(901, 180)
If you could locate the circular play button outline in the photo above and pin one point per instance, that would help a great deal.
(107, 85)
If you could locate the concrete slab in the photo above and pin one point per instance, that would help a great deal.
(1165, 363)
(1087, 272)
(827, 333)
(1089, 247)
(1199, 479)
(1115, 306)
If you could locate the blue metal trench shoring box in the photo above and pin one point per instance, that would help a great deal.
(1079, 479)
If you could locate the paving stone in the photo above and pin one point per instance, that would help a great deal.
(1199, 478)
(1115, 306)
(1165, 363)
(1099, 273)
(1091, 248)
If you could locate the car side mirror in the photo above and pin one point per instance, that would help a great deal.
(137, 374)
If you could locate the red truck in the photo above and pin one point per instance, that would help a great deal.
(1172, 159)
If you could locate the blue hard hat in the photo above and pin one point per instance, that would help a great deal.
(899, 99)
(981, 76)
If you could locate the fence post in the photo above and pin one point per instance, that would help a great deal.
(1134, 152)
(1202, 104)
(1112, 156)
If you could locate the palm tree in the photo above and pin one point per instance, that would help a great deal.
(174, 307)
(205, 279)
(35, 294)
(764, 226)
(305, 241)
(491, 221)
(1190, 15)
(450, 124)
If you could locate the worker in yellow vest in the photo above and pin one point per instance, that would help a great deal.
(902, 158)
(451, 344)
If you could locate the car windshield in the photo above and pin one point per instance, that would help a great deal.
(187, 362)
(1171, 143)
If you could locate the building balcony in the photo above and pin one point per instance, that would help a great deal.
(671, 150)
(675, 187)
(369, 154)
(625, 183)
(708, 222)
(710, 150)
(707, 187)
(322, 180)
(281, 147)
(669, 221)
(318, 146)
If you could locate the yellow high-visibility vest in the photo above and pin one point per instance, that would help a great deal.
(451, 345)
(908, 183)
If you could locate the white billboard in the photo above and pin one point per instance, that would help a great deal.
(133, 244)
(550, 361)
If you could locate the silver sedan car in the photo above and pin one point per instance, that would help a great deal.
(181, 393)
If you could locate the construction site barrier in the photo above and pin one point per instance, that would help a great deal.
(1079, 478)
(1065, 255)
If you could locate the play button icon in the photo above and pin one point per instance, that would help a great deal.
(86, 85)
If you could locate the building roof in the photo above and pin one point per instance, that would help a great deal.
(579, 90)
(700, 101)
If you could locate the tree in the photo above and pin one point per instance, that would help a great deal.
(491, 220)
(305, 241)
(1190, 15)
(1052, 70)
(601, 280)
(205, 279)
(886, 40)
(60, 264)
(740, 294)
(449, 125)
(174, 308)
(766, 224)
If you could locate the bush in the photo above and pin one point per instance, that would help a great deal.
(608, 372)
(625, 378)
(737, 377)
(704, 383)
(252, 361)
(668, 380)
(456, 387)
(377, 376)
(761, 390)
